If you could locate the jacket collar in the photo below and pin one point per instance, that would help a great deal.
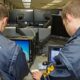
(77, 33)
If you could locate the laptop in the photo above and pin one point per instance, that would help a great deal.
(53, 51)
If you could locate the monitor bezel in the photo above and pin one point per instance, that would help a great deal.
(28, 39)
(51, 47)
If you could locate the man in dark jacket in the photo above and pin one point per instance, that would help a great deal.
(13, 65)
(70, 53)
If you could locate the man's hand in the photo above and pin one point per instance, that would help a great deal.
(36, 74)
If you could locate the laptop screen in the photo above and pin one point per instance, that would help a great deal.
(25, 45)
(53, 52)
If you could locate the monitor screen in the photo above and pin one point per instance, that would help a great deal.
(53, 52)
(25, 45)
(57, 27)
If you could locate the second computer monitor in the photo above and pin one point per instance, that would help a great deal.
(53, 51)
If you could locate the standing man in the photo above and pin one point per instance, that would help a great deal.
(13, 65)
(70, 53)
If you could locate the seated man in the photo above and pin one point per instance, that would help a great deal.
(70, 53)
(13, 65)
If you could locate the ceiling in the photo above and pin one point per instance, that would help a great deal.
(16, 3)
(39, 4)
(42, 3)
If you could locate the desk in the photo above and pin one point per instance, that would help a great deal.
(39, 59)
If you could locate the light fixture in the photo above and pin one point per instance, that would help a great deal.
(26, 4)
(56, 1)
(50, 4)
(26, 0)
(29, 10)
(45, 7)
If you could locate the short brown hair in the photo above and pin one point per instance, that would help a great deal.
(73, 8)
(3, 11)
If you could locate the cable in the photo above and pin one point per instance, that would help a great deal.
(29, 28)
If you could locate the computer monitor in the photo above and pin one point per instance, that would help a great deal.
(25, 45)
(53, 51)
(20, 15)
(40, 17)
(57, 27)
